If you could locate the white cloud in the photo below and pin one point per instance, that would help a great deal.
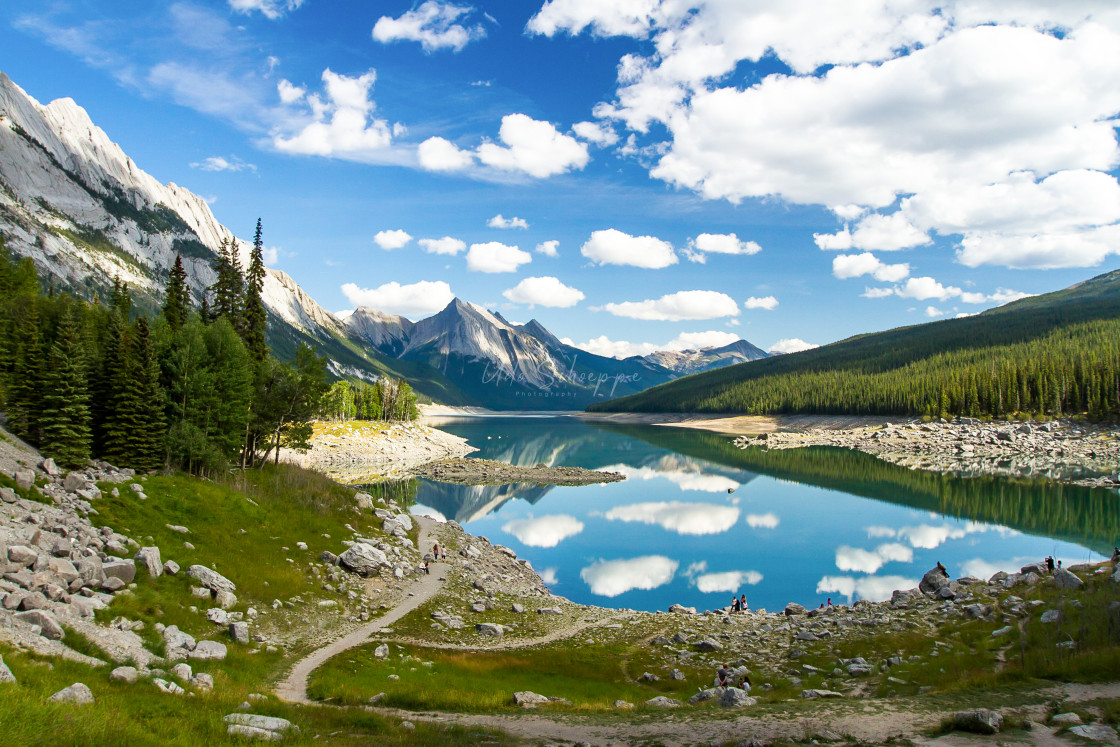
(417, 299)
(289, 93)
(597, 133)
(766, 302)
(609, 348)
(877, 292)
(726, 581)
(446, 245)
(985, 122)
(985, 569)
(548, 575)
(433, 24)
(533, 147)
(879, 532)
(677, 307)
(927, 537)
(342, 125)
(493, 257)
(717, 243)
(544, 531)
(791, 345)
(221, 163)
(548, 248)
(271, 9)
(870, 561)
(763, 521)
(613, 18)
(679, 517)
(499, 222)
(925, 288)
(271, 255)
(872, 588)
(613, 247)
(438, 154)
(855, 265)
(610, 578)
(394, 239)
(933, 312)
(544, 291)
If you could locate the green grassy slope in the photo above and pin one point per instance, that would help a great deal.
(1055, 353)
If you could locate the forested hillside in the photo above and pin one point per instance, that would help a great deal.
(191, 388)
(1056, 354)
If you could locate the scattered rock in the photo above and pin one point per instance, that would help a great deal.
(149, 557)
(1063, 579)
(707, 646)
(1051, 616)
(793, 608)
(76, 693)
(212, 580)
(171, 568)
(980, 721)
(490, 629)
(264, 728)
(662, 701)
(528, 699)
(6, 675)
(209, 650)
(48, 626)
(382, 651)
(124, 674)
(239, 632)
(734, 697)
(1066, 719)
(1095, 733)
(819, 694)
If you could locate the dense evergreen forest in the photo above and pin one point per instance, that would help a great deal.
(195, 389)
(1053, 355)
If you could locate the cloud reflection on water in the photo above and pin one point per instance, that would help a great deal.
(679, 517)
(609, 578)
(544, 531)
(872, 588)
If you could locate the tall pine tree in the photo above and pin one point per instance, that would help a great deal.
(254, 318)
(65, 415)
(177, 303)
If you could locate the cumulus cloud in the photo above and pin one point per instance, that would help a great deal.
(499, 222)
(610, 578)
(221, 163)
(446, 245)
(679, 517)
(763, 521)
(790, 345)
(548, 575)
(677, 307)
(544, 291)
(433, 24)
(609, 348)
(440, 154)
(548, 248)
(493, 257)
(925, 288)
(394, 239)
(715, 243)
(597, 133)
(271, 9)
(933, 312)
(289, 93)
(341, 124)
(973, 113)
(533, 147)
(766, 302)
(544, 531)
(856, 265)
(869, 561)
(871, 588)
(417, 299)
(613, 247)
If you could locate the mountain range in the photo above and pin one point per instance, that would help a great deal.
(86, 214)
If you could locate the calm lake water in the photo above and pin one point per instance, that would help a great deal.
(698, 520)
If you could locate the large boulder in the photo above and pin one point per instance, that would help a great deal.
(63, 568)
(707, 646)
(91, 570)
(6, 675)
(209, 650)
(264, 728)
(734, 697)
(76, 693)
(211, 579)
(662, 701)
(48, 626)
(363, 559)
(1063, 579)
(149, 558)
(490, 629)
(934, 580)
(793, 608)
(528, 699)
(1095, 733)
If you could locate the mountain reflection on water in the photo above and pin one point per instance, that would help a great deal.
(698, 519)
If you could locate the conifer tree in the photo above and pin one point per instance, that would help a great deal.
(177, 304)
(65, 415)
(254, 318)
(147, 441)
(28, 363)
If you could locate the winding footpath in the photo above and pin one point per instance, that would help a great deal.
(293, 688)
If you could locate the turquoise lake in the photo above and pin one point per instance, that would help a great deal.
(698, 519)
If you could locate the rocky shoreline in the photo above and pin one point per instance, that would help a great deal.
(470, 471)
(1063, 451)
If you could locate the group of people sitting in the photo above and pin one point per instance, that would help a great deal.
(725, 677)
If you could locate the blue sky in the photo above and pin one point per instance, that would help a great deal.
(772, 170)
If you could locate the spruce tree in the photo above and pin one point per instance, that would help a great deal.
(147, 441)
(65, 415)
(177, 303)
(25, 389)
(117, 390)
(255, 320)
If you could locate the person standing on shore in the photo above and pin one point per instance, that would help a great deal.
(1115, 556)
